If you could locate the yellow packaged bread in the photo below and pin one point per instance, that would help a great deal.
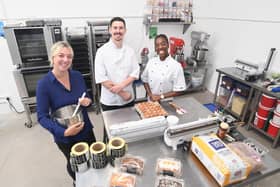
(221, 162)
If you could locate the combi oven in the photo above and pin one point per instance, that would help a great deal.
(26, 81)
(29, 45)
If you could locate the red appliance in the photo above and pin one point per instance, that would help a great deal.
(177, 50)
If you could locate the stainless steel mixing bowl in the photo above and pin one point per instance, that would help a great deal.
(64, 114)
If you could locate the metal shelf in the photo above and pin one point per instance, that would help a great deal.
(261, 131)
(252, 101)
(228, 110)
(148, 24)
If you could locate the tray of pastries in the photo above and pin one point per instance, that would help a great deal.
(150, 109)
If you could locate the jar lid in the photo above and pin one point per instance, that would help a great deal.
(224, 126)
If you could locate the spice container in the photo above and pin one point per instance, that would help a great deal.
(222, 131)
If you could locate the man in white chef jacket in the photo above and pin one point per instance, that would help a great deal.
(116, 67)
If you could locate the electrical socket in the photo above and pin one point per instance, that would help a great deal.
(7, 98)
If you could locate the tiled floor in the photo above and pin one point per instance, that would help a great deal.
(29, 157)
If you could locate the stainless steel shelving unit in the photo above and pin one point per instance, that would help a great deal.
(256, 89)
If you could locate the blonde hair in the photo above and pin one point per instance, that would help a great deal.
(56, 47)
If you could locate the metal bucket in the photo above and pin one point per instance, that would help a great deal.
(64, 114)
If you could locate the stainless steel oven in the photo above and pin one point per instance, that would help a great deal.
(29, 45)
(26, 81)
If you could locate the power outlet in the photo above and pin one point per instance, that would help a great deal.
(4, 99)
(7, 98)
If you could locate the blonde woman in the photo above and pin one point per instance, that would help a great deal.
(61, 87)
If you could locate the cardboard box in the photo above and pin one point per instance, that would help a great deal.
(238, 104)
(222, 163)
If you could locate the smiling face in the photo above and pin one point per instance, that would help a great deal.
(117, 31)
(161, 47)
(62, 59)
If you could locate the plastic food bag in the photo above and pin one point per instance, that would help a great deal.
(122, 180)
(169, 166)
(132, 164)
(166, 181)
(247, 154)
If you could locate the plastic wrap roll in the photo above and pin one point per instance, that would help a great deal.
(98, 155)
(79, 157)
(117, 147)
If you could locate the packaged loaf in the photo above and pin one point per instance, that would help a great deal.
(167, 181)
(119, 179)
(248, 154)
(132, 164)
(169, 166)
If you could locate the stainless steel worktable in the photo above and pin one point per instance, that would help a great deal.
(194, 111)
(194, 174)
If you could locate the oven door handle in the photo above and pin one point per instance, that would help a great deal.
(34, 70)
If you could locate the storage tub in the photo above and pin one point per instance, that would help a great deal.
(263, 111)
(273, 129)
(259, 121)
(268, 101)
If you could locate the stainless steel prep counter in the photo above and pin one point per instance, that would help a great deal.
(194, 174)
(194, 110)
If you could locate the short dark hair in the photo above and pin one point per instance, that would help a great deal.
(117, 19)
(162, 36)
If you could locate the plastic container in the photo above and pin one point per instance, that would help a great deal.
(132, 164)
(259, 121)
(276, 118)
(273, 129)
(122, 179)
(227, 82)
(242, 89)
(169, 166)
(222, 130)
(224, 95)
(197, 79)
(164, 181)
(256, 146)
(263, 111)
(249, 154)
(172, 120)
(268, 101)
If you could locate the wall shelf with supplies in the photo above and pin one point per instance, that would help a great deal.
(149, 23)
(168, 12)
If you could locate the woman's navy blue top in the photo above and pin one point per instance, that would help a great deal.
(52, 95)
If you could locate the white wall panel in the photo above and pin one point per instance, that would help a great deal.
(238, 9)
(243, 29)
(7, 82)
(70, 8)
